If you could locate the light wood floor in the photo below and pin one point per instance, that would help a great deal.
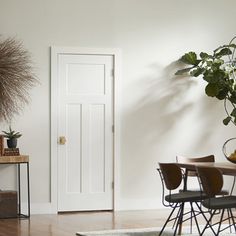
(68, 224)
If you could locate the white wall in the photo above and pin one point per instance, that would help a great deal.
(161, 116)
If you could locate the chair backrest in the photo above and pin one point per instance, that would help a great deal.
(182, 159)
(211, 180)
(172, 175)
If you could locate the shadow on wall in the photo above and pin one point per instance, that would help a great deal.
(210, 114)
(160, 108)
(170, 114)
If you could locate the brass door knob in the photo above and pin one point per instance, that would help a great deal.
(62, 140)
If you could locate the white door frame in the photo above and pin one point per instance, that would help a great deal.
(55, 52)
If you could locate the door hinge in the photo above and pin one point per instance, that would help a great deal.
(113, 129)
(112, 72)
(112, 185)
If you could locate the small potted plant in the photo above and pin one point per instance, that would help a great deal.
(12, 137)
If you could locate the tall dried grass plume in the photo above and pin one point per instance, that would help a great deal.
(16, 78)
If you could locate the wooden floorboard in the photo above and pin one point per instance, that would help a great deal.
(67, 224)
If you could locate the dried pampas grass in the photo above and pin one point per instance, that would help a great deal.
(16, 78)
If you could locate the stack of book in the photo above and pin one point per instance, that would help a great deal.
(11, 152)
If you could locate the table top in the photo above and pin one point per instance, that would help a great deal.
(14, 159)
(227, 168)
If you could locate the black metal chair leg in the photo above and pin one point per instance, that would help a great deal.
(180, 220)
(221, 218)
(203, 214)
(176, 218)
(195, 218)
(191, 220)
(232, 217)
(168, 219)
(209, 225)
(229, 218)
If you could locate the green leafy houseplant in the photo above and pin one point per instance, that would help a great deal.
(12, 137)
(218, 70)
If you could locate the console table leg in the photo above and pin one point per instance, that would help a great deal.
(28, 185)
(19, 194)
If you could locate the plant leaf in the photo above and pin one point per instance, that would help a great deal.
(190, 58)
(222, 94)
(204, 55)
(5, 132)
(217, 76)
(197, 72)
(232, 45)
(212, 90)
(233, 99)
(183, 71)
(233, 113)
(224, 52)
(227, 120)
(208, 76)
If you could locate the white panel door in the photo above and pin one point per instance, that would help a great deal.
(85, 161)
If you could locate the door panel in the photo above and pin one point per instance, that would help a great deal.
(97, 143)
(73, 164)
(94, 75)
(85, 162)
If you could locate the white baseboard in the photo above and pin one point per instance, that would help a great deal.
(139, 204)
(38, 208)
(124, 205)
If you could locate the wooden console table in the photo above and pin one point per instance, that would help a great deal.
(18, 160)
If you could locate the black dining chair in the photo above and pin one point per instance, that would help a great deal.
(171, 179)
(211, 180)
